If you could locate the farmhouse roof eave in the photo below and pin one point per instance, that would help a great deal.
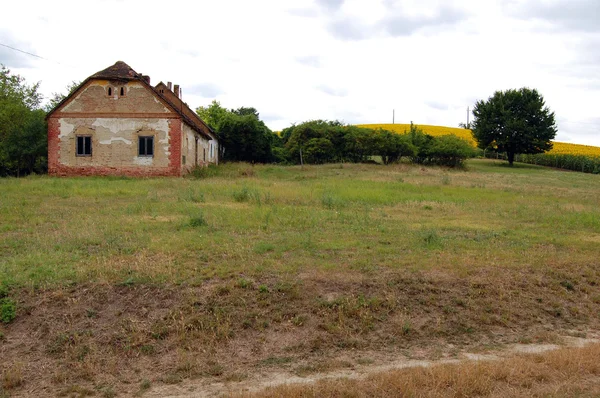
(196, 123)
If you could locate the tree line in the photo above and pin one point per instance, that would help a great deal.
(244, 137)
(513, 122)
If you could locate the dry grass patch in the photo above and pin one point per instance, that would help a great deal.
(562, 373)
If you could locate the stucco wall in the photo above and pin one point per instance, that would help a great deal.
(193, 158)
(115, 146)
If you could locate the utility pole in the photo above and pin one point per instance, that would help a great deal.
(393, 116)
(468, 112)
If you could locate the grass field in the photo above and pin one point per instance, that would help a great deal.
(122, 285)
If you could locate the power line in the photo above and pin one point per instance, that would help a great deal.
(28, 53)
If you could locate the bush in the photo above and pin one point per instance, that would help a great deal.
(8, 310)
(450, 150)
(204, 171)
(391, 146)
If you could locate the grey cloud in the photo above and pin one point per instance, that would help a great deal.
(437, 105)
(330, 4)
(336, 92)
(11, 57)
(346, 28)
(580, 15)
(270, 117)
(395, 24)
(205, 90)
(309, 60)
(403, 25)
(584, 128)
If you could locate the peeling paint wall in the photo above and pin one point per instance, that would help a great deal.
(114, 124)
(114, 142)
(194, 146)
(94, 98)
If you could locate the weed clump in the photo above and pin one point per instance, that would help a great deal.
(204, 171)
(198, 221)
(8, 310)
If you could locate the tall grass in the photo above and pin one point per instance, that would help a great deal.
(563, 373)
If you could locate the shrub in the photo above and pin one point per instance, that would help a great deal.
(450, 150)
(8, 310)
(391, 146)
(204, 171)
(198, 221)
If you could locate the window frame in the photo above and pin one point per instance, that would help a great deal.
(145, 139)
(85, 137)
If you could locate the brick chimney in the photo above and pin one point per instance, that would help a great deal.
(176, 90)
(146, 78)
(169, 86)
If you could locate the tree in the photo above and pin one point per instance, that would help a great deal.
(57, 97)
(212, 114)
(392, 146)
(514, 121)
(22, 128)
(245, 111)
(245, 138)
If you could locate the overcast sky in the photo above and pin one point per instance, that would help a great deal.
(351, 60)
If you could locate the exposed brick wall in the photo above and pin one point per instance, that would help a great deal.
(53, 145)
(175, 135)
(65, 171)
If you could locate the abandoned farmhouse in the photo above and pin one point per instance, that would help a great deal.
(116, 123)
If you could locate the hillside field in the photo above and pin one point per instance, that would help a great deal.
(559, 148)
(130, 286)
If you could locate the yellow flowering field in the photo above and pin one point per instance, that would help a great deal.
(432, 130)
(560, 148)
(563, 148)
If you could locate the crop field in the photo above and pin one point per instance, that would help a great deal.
(432, 130)
(559, 148)
(158, 286)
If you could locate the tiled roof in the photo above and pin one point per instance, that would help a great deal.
(120, 70)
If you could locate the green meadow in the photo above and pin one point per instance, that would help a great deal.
(256, 220)
(216, 276)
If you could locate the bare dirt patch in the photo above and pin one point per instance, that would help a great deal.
(134, 338)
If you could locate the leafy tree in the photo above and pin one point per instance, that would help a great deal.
(212, 114)
(514, 121)
(360, 143)
(244, 111)
(392, 146)
(245, 138)
(318, 151)
(22, 127)
(26, 145)
(422, 142)
(298, 137)
(57, 97)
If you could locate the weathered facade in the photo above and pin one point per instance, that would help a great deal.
(116, 123)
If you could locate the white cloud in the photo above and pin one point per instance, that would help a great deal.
(353, 60)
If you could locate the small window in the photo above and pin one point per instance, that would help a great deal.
(110, 91)
(122, 91)
(84, 145)
(146, 146)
